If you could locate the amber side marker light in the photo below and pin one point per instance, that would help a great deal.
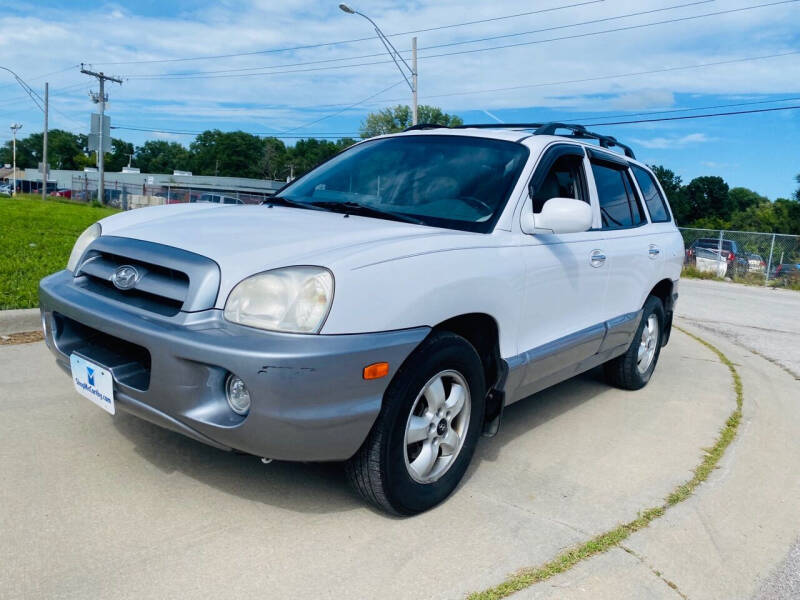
(376, 370)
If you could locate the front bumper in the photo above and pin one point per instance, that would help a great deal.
(309, 400)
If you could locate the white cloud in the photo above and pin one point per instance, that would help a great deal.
(45, 40)
(666, 142)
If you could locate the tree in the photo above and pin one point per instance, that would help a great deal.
(743, 198)
(227, 154)
(273, 159)
(159, 156)
(118, 157)
(392, 120)
(797, 191)
(64, 150)
(706, 197)
(307, 154)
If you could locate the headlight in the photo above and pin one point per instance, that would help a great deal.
(292, 299)
(87, 237)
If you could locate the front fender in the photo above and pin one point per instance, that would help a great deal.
(429, 288)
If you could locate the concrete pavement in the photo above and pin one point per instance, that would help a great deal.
(19, 320)
(95, 506)
(729, 539)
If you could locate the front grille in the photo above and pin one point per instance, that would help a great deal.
(128, 362)
(170, 280)
(159, 289)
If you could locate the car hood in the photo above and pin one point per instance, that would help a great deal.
(247, 239)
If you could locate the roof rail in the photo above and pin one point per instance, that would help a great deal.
(578, 132)
(421, 126)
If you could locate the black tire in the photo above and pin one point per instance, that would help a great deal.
(378, 470)
(623, 371)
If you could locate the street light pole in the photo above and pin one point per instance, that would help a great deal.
(14, 128)
(397, 58)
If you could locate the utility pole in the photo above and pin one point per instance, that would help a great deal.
(14, 128)
(414, 86)
(101, 99)
(130, 158)
(44, 140)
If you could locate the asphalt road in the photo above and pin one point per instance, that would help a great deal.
(763, 320)
(94, 506)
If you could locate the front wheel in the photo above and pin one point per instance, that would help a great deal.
(633, 370)
(423, 440)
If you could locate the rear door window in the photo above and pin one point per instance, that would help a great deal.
(619, 206)
(656, 204)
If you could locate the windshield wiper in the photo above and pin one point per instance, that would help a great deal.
(364, 210)
(281, 201)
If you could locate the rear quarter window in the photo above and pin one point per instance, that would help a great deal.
(655, 202)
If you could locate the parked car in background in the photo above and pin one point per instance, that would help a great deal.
(62, 193)
(737, 260)
(787, 272)
(384, 307)
(217, 199)
(756, 264)
(710, 261)
(5, 189)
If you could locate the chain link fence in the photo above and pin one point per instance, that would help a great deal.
(127, 196)
(747, 256)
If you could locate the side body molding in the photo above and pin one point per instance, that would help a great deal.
(556, 361)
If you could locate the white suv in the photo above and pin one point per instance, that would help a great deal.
(382, 309)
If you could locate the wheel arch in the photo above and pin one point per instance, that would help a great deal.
(664, 290)
(483, 332)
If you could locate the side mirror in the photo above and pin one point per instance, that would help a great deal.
(559, 215)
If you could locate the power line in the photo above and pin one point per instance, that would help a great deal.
(721, 114)
(602, 77)
(231, 73)
(472, 41)
(257, 133)
(346, 108)
(449, 44)
(500, 126)
(677, 110)
(350, 41)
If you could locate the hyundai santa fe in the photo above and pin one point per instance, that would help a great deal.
(382, 309)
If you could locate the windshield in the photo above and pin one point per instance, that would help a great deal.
(456, 182)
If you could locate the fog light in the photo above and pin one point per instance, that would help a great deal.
(238, 396)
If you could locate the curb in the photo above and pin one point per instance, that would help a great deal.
(19, 320)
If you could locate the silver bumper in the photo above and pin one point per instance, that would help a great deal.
(309, 400)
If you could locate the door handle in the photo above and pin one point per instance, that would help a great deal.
(597, 258)
(654, 251)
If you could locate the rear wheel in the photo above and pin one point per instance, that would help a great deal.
(632, 370)
(423, 440)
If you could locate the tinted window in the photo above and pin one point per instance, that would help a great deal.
(456, 182)
(564, 180)
(652, 195)
(618, 204)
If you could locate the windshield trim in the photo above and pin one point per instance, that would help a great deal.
(487, 226)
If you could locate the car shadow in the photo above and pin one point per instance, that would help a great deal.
(321, 487)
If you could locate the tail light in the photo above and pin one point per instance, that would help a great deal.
(731, 256)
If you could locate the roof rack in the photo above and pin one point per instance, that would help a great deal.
(578, 132)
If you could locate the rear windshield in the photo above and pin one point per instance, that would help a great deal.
(726, 244)
(457, 182)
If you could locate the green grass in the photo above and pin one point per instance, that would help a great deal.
(613, 538)
(693, 273)
(36, 238)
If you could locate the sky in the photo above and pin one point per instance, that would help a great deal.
(299, 73)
